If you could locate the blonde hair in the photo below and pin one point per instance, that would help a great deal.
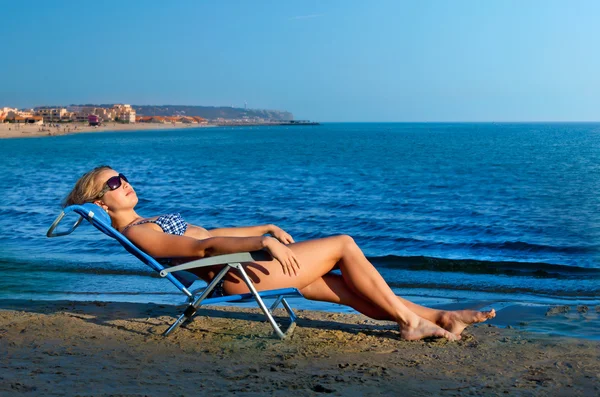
(86, 189)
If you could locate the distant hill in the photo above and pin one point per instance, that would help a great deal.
(212, 112)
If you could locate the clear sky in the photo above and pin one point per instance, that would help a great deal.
(328, 60)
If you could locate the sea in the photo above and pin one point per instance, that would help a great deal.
(500, 213)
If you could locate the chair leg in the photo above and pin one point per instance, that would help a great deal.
(190, 311)
(267, 312)
(193, 307)
(276, 303)
(290, 311)
(185, 316)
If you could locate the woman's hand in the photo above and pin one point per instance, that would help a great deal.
(284, 255)
(280, 234)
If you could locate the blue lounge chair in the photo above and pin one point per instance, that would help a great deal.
(182, 279)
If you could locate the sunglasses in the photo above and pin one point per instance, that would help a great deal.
(113, 183)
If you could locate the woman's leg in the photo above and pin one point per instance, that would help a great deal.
(332, 288)
(317, 258)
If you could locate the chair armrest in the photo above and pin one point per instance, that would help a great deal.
(219, 260)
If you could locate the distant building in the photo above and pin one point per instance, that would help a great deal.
(158, 119)
(51, 115)
(127, 117)
(105, 114)
(200, 120)
(124, 113)
(26, 113)
(3, 114)
(188, 120)
(4, 111)
(18, 116)
(81, 113)
(143, 119)
(37, 120)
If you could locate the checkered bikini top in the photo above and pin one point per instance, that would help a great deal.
(169, 223)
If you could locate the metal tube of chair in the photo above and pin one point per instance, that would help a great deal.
(276, 303)
(211, 286)
(290, 311)
(195, 304)
(260, 302)
(54, 225)
(175, 325)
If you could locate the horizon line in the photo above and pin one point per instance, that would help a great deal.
(469, 121)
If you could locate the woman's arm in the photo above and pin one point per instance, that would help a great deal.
(163, 245)
(249, 231)
(244, 231)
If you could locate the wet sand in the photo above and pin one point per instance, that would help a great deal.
(8, 130)
(93, 348)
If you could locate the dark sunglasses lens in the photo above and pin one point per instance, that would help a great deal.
(113, 183)
(124, 178)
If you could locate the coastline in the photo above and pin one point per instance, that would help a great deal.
(8, 130)
(52, 347)
(33, 131)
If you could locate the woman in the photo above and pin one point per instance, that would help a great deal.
(305, 265)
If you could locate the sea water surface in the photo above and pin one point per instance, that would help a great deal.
(497, 212)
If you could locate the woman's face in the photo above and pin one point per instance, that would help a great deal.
(121, 198)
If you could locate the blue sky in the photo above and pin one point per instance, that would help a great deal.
(322, 60)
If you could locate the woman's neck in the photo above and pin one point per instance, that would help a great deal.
(123, 220)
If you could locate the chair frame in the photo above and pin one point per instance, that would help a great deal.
(176, 274)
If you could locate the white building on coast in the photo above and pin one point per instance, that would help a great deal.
(52, 115)
(118, 112)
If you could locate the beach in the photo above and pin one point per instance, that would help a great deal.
(9, 130)
(100, 348)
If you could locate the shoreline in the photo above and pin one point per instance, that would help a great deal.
(33, 131)
(8, 130)
(117, 348)
(573, 320)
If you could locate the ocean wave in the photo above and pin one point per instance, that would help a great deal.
(473, 266)
(504, 246)
(591, 293)
(106, 269)
(529, 247)
(413, 263)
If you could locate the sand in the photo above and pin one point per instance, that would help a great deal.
(101, 349)
(32, 131)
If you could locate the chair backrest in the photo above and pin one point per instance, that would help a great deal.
(101, 221)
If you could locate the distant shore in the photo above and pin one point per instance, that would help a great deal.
(10, 130)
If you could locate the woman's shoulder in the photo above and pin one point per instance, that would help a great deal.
(149, 222)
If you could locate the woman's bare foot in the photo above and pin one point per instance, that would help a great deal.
(421, 328)
(456, 321)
